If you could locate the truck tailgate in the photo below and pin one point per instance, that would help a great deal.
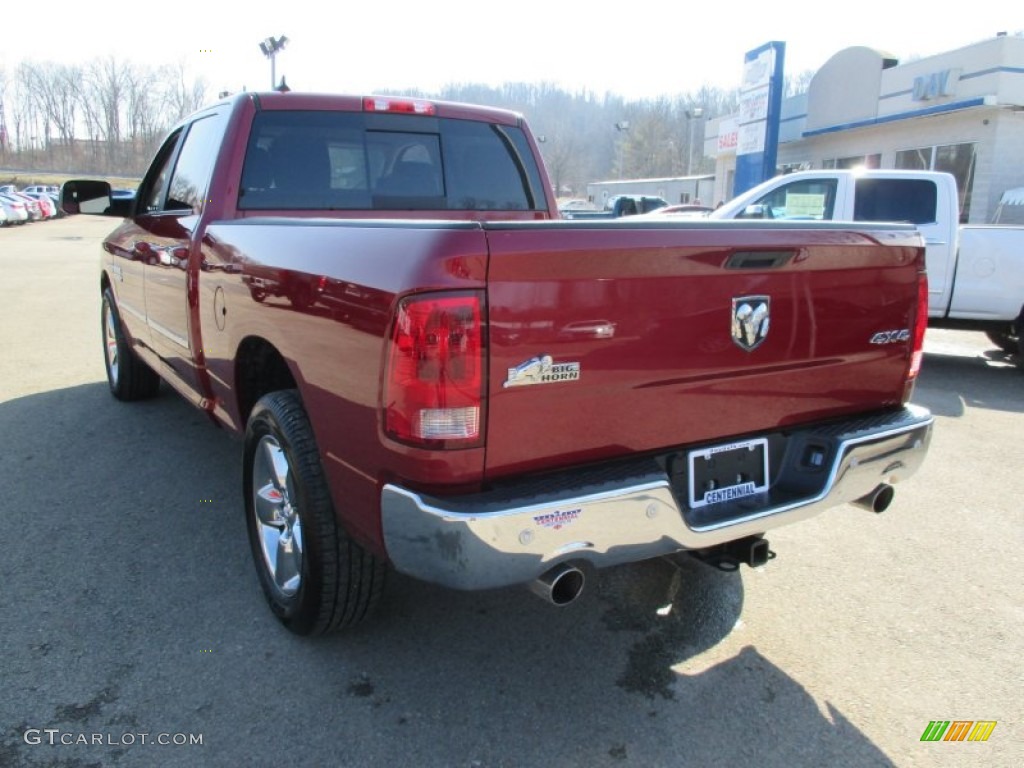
(615, 338)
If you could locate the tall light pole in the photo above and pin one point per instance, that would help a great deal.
(620, 127)
(692, 115)
(271, 47)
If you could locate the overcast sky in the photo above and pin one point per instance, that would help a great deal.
(636, 49)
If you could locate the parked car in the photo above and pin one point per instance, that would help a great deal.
(682, 208)
(619, 206)
(15, 210)
(46, 204)
(55, 199)
(35, 210)
(576, 204)
(41, 189)
(3, 217)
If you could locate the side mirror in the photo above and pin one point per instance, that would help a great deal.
(92, 197)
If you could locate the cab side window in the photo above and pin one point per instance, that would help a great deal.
(180, 175)
(192, 172)
(154, 186)
(913, 200)
(807, 199)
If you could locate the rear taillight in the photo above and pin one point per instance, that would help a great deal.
(920, 324)
(434, 382)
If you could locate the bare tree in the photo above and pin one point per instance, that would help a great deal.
(31, 126)
(54, 89)
(106, 91)
(560, 150)
(122, 110)
(180, 97)
(798, 83)
(145, 122)
(650, 142)
(5, 139)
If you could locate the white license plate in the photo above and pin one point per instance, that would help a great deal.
(724, 473)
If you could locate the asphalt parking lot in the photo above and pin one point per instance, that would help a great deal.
(129, 605)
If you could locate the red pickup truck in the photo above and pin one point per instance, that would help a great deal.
(434, 374)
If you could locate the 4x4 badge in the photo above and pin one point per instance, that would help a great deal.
(750, 321)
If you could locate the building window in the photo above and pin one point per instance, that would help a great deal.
(957, 159)
(787, 168)
(856, 161)
(914, 159)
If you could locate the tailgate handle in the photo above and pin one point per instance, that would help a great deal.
(758, 259)
(593, 329)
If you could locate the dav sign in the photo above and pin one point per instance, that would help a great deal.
(936, 84)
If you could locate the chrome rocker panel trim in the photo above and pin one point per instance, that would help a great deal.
(491, 540)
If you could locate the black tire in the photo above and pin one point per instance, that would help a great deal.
(129, 378)
(1005, 340)
(301, 296)
(318, 579)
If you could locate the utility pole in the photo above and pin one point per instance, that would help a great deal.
(620, 127)
(692, 115)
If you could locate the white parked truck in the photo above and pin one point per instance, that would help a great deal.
(975, 272)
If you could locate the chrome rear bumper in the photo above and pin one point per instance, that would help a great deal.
(629, 512)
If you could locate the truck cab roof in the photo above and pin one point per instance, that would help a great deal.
(292, 100)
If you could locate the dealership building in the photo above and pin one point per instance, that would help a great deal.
(961, 111)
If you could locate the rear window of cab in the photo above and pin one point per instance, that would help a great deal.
(318, 160)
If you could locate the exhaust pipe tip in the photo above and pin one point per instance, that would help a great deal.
(559, 586)
(879, 499)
